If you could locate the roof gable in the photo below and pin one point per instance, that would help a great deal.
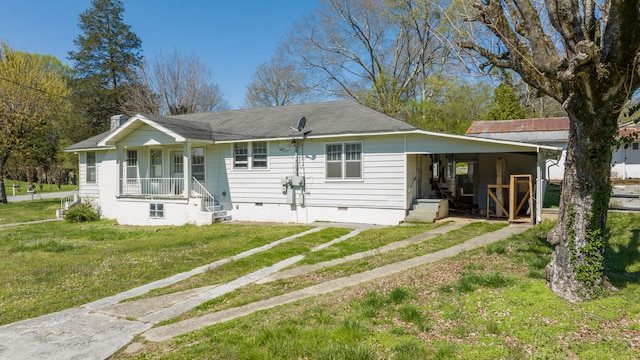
(135, 123)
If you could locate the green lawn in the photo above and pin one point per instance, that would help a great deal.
(23, 211)
(57, 265)
(46, 188)
(489, 303)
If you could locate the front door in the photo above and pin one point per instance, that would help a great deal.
(177, 171)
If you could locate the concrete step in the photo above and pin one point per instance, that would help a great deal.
(419, 219)
(426, 206)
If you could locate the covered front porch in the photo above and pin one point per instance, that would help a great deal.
(161, 175)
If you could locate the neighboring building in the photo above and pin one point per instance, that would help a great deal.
(349, 164)
(625, 163)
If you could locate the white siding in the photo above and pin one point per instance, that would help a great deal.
(146, 135)
(381, 187)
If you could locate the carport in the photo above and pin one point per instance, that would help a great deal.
(475, 174)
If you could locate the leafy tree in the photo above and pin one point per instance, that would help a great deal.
(450, 107)
(32, 96)
(175, 84)
(378, 52)
(584, 55)
(276, 83)
(107, 53)
(505, 104)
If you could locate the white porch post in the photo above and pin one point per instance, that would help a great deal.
(119, 163)
(186, 163)
(539, 199)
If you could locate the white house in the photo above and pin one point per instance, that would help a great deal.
(625, 163)
(349, 164)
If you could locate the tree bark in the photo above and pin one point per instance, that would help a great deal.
(3, 191)
(576, 271)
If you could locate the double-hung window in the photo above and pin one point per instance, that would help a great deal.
(132, 164)
(91, 167)
(156, 163)
(259, 155)
(343, 161)
(252, 155)
(197, 163)
(241, 156)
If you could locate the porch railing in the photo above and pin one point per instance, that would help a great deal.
(208, 202)
(68, 201)
(153, 186)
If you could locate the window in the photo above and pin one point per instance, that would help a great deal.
(240, 156)
(334, 161)
(132, 164)
(250, 155)
(634, 146)
(156, 163)
(197, 163)
(156, 211)
(344, 161)
(353, 161)
(91, 167)
(177, 163)
(259, 153)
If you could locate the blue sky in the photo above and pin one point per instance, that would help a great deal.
(232, 37)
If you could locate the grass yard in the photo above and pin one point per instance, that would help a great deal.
(23, 211)
(257, 292)
(489, 303)
(46, 188)
(57, 265)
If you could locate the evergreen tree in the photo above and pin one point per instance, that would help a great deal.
(107, 53)
(505, 104)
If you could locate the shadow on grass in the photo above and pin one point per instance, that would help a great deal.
(620, 258)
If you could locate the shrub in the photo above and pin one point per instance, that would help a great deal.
(81, 213)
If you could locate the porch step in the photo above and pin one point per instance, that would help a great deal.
(423, 211)
(421, 217)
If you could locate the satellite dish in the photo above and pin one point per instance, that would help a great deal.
(301, 123)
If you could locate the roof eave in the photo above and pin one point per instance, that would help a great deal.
(324, 136)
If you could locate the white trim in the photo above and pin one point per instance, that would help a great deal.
(107, 140)
(343, 161)
(490, 141)
(250, 166)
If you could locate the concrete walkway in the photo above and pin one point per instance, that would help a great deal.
(98, 329)
(38, 196)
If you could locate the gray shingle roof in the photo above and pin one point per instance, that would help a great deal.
(90, 143)
(327, 118)
(323, 119)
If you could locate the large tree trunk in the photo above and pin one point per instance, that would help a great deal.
(576, 271)
(3, 191)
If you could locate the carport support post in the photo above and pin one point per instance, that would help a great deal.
(539, 198)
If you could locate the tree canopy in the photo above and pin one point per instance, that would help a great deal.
(32, 97)
(174, 84)
(379, 53)
(277, 82)
(103, 63)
